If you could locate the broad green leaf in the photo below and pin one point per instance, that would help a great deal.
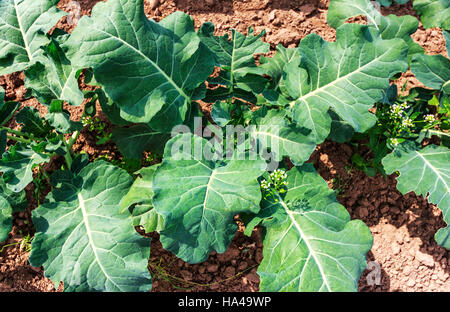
(23, 28)
(283, 138)
(221, 113)
(32, 122)
(390, 27)
(133, 141)
(9, 202)
(310, 243)
(340, 130)
(274, 66)
(424, 171)
(3, 142)
(389, 2)
(5, 218)
(310, 114)
(84, 241)
(433, 13)
(348, 75)
(53, 77)
(17, 164)
(18, 201)
(59, 118)
(198, 198)
(7, 111)
(161, 63)
(433, 71)
(2, 96)
(111, 109)
(140, 196)
(236, 57)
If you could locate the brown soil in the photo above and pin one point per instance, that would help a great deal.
(402, 226)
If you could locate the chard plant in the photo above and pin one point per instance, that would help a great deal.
(149, 78)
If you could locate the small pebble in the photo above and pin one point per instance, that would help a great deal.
(154, 4)
(212, 268)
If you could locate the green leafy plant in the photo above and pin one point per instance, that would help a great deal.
(149, 77)
(433, 13)
(404, 121)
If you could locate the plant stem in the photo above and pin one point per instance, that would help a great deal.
(41, 170)
(18, 139)
(68, 154)
(73, 139)
(18, 133)
(69, 144)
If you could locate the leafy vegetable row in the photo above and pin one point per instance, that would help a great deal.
(149, 78)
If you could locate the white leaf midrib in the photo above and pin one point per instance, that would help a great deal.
(339, 79)
(27, 48)
(307, 243)
(438, 174)
(154, 64)
(91, 240)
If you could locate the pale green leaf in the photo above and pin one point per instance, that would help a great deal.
(424, 171)
(140, 200)
(276, 133)
(161, 63)
(17, 164)
(235, 56)
(348, 75)
(23, 28)
(274, 66)
(310, 243)
(221, 113)
(53, 77)
(199, 198)
(84, 241)
(432, 70)
(59, 118)
(390, 27)
(433, 13)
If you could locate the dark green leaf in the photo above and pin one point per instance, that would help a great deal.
(53, 77)
(23, 28)
(84, 241)
(32, 122)
(424, 171)
(133, 141)
(310, 243)
(199, 198)
(433, 13)
(17, 164)
(140, 200)
(162, 63)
